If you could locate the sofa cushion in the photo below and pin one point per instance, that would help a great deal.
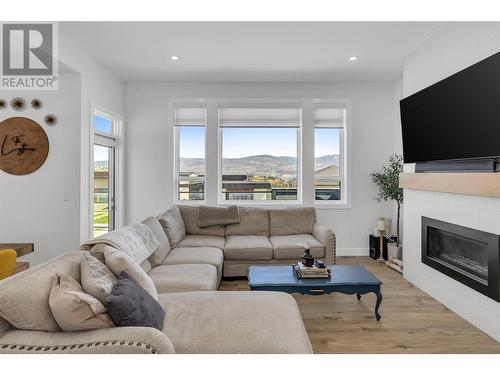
(119, 262)
(253, 221)
(184, 278)
(248, 248)
(173, 225)
(234, 322)
(75, 310)
(285, 247)
(146, 266)
(208, 216)
(131, 306)
(161, 252)
(196, 255)
(96, 278)
(190, 217)
(287, 221)
(24, 298)
(194, 240)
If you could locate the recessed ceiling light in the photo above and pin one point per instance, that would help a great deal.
(174, 57)
(353, 58)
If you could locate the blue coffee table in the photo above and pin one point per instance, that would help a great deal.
(345, 279)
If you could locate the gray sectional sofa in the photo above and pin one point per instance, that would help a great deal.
(186, 269)
(262, 236)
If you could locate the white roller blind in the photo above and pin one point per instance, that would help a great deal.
(190, 116)
(259, 117)
(329, 116)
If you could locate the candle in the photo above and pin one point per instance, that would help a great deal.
(381, 224)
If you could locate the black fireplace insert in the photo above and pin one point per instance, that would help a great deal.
(467, 255)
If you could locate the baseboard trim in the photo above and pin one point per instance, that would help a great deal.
(353, 252)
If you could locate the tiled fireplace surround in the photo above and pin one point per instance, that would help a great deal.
(482, 213)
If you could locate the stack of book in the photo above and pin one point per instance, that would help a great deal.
(313, 272)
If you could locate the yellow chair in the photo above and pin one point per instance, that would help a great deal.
(7, 262)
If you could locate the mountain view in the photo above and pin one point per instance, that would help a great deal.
(282, 167)
(100, 165)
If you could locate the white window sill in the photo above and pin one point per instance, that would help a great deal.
(190, 203)
(333, 206)
(284, 204)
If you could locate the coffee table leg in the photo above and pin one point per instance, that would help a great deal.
(358, 295)
(377, 305)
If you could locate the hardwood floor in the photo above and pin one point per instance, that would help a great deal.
(412, 321)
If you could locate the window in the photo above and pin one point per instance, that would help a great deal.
(259, 157)
(102, 124)
(273, 152)
(104, 173)
(329, 181)
(190, 125)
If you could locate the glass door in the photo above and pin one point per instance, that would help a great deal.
(103, 187)
(103, 176)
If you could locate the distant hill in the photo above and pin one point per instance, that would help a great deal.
(100, 165)
(264, 165)
(325, 161)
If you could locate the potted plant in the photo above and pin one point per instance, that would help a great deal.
(387, 181)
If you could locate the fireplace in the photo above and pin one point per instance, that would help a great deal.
(467, 255)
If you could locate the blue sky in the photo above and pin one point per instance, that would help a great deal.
(106, 126)
(101, 153)
(103, 124)
(241, 142)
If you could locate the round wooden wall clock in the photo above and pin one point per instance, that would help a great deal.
(24, 146)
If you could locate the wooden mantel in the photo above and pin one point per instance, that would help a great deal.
(479, 184)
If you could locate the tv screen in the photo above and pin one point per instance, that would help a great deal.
(456, 118)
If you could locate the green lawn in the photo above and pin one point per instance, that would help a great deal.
(101, 218)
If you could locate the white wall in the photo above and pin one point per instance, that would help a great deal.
(33, 207)
(398, 142)
(455, 47)
(452, 49)
(99, 86)
(397, 135)
(149, 145)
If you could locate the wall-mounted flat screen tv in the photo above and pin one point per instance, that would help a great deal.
(456, 118)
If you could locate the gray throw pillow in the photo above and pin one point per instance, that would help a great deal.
(130, 305)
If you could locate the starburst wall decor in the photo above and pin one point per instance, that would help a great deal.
(18, 104)
(36, 104)
(50, 120)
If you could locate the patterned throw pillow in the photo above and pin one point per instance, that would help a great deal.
(75, 310)
(97, 279)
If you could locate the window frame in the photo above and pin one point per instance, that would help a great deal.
(116, 141)
(344, 154)
(176, 149)
(341, 177)
(305, 150)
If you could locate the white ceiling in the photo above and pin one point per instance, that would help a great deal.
(251, 51)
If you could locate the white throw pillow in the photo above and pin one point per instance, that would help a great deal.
(118, 262)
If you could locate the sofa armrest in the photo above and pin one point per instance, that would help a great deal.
(118, 340)
(327, 238)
